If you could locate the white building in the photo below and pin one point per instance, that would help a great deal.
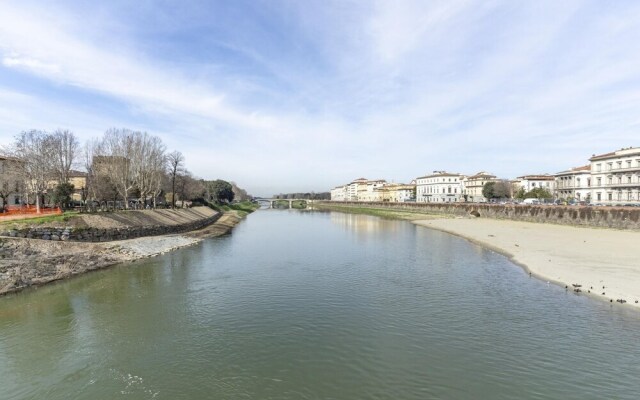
(439, 187)
(397, 193)
(354, 188)
(359, 189)
(574, 184)
(530, 182)
(339, 193)
(615, 177)
(401, 193)
(472, 186)
(369, 192)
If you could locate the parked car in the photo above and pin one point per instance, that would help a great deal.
(531, 201)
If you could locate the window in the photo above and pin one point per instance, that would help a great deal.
(609, 166)
(610, 196)
(629, 180)
(609, 180)
(628, 163)
(599, 181)
(598, 196)
(629, 195)
(599, 167)
(619, 164)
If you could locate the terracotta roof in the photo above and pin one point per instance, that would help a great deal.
(438, 174)
(584, 168)
(629, 151)
(481, 174)
(537, 177)
(605, 155)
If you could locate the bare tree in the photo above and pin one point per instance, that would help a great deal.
(503, 189)
(158, 169)
(176, 166)
(34, 150)
(188, 187)
(114, 160)
(89, 150)
(239, 193)
(148, 163)
(64, 148)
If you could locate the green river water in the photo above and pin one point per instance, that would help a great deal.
(317, 305)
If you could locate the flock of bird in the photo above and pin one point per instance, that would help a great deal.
(576, 288)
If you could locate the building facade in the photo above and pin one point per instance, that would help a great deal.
(615, 177)
(530, 182)
(79, 181)
(574, 184)
(473, 185)
(370, 192)
(339, 193)
(11, 181)
(439, 187)
(397, 193)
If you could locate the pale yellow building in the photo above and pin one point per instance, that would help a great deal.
(473, 185)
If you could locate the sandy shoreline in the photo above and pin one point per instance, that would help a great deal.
(561, 254)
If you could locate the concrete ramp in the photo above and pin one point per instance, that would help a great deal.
(139, 218)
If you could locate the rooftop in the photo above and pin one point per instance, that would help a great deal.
(625, 151)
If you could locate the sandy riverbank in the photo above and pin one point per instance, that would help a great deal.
(594, 258)
(33, 262)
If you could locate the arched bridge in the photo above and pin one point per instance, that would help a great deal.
(272, 202)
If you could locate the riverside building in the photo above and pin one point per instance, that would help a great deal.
(339, 193)
(530, 182)
(615, 177)
(574, 184)
(473, 185)
(439, 187)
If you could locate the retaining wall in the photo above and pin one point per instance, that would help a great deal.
(105, 235)
(606, 217)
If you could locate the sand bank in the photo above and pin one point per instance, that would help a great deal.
(603, 259)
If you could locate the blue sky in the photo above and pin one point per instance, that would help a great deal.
(286, 96)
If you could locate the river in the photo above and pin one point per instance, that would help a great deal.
(317, 305)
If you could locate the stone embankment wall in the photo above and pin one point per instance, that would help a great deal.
(186, 221)
(606, 217)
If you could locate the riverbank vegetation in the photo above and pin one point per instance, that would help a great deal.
(46, 219)
(410, 215)
(242, 209)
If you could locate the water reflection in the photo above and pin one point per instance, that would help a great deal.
(298, 305)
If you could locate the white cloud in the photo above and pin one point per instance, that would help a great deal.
(39, 45)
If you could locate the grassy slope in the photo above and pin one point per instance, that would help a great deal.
(410, 215)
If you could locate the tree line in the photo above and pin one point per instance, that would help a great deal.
(503, 189)
(130, 168)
